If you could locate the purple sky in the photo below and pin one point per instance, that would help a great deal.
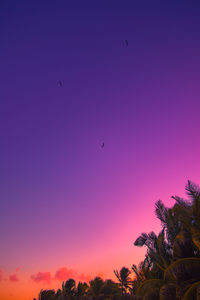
(65, 201)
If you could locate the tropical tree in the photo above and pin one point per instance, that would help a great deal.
(111, 290)
(188, 213)
(174, 252)
(124, 279)
(58, 295)
(47, 295)
(81, 290)
(158, 251)
(95, 288)
(69, 289)
(142, 273)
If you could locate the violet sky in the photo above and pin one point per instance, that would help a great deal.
(65, 201)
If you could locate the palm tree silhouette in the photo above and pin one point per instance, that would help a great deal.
(95, 288)
(124, 279)
(68, 289)
(81, 290)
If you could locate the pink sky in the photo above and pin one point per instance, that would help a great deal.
(69, 206)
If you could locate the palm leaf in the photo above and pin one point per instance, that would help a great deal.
(191, 293)
(182, 202)
(192, 190)
(168, 291)
(161, 212)
(183, 269)
(141, 240)
(149, 284)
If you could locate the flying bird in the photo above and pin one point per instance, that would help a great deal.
(126, 41)
(60, 83)
(102, 146)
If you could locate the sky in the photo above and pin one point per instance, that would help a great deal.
(70, 208)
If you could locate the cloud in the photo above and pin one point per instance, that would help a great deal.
(64, 274)
(84, 277)
(13, 278)
(41, 277)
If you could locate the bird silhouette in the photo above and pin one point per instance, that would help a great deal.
(126, 41)
(60, 83)
(102, 146)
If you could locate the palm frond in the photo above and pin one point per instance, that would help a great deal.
(161, 212)
(182, 202)
(183, 269)
(192, 190)
(192, 291)
(141, 240)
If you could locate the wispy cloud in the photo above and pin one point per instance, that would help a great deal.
(61, 274)
(84, 277)
(42, 277)
(13, 278)
(64, 273)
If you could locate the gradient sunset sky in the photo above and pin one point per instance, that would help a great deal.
(70, 208)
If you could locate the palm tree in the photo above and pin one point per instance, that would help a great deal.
(169, 222)
(47, 295)
(81, 290)
(142, 273)
(176, 250)
(58, 295)
(68, 289)
(189, 213)
(124, 279)
(158, 250)
(95, 288)
(110, 290)
(183, 273)
(150, 289)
